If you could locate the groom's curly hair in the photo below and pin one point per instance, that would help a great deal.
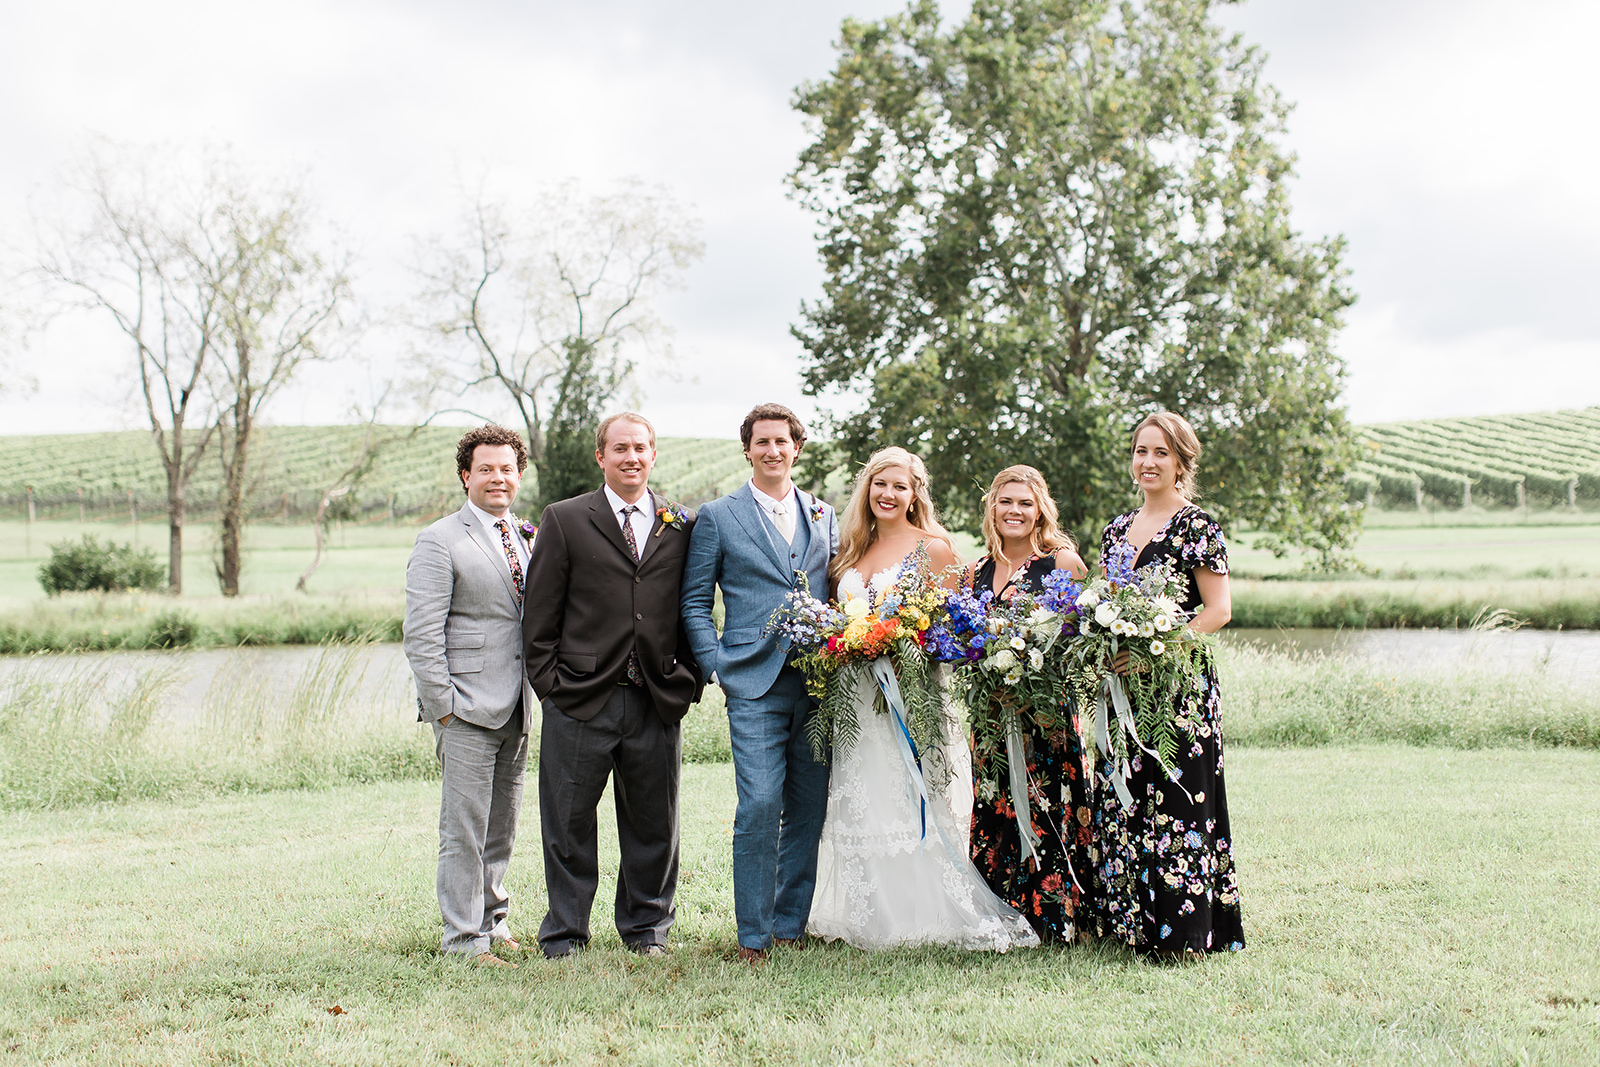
(491, 435)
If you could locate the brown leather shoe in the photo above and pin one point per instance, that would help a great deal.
(489, 959)
(755, 957)
(510, 944)
(789, 942)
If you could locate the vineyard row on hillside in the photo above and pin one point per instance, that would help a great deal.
(412, 477)
(1551, 459)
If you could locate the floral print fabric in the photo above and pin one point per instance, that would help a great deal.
(1054, 898)
(1164, 873)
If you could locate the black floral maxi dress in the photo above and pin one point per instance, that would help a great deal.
(1164, 870)
(1058, 808)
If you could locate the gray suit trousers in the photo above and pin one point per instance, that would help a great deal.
(627, 742)
(482, 794)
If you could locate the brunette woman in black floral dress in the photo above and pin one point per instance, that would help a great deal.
(1025, 543)
(1166, 879)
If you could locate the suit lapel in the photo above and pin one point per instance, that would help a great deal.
(653, 538)
(608, 523)
(491, 548)
(748, 512)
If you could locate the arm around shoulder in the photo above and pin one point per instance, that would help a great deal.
(702, 569)
(545, 601)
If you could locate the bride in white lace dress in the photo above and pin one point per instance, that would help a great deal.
(885, 875)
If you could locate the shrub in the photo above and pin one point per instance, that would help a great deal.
(173, 629)
(79, 567)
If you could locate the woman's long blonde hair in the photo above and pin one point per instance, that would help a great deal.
(1048, 537)
(858, 527)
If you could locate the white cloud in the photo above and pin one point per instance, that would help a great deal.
(1448, 140)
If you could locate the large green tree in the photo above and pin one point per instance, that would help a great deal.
(1053, 218)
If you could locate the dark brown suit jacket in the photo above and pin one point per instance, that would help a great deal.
(589, 604)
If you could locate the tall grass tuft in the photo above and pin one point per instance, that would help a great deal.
(76, 735)
(1273, 698)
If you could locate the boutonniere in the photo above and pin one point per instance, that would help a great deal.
(670, 515)
(818, 509)
(528, 531)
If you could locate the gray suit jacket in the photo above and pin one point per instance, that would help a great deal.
(463, 632)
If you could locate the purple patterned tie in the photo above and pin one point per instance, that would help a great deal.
(635, 674)
(511, 558)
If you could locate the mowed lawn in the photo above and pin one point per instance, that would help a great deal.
(1403, 905)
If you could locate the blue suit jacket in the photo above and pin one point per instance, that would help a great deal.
(734, 545)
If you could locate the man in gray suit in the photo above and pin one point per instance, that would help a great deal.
(463, 638)
(756, 543)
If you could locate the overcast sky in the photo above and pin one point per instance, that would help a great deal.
(1449, 140)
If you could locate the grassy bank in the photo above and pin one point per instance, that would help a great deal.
(1404, 906)
(72, 733)
(1542, 604)
(99, 622)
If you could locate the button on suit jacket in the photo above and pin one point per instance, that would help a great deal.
(590, 603)
(463, 630)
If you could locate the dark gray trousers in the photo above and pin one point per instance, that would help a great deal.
(627, 742)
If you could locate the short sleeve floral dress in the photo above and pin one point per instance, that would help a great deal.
(1164, 868)
(1053, 898)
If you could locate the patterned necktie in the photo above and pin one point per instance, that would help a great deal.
(627, 530)
(511, 558)
(635, 673)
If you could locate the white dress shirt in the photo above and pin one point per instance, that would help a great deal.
(781, 511)
(518, 542)
(642, 519)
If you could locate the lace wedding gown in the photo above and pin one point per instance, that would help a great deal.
(881, 881)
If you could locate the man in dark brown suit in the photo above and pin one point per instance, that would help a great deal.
(609, 660)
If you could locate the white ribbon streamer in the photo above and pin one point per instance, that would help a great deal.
(1017, 769)
(916, 786)
(1111, 686)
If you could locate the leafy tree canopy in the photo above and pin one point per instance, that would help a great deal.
(1045, 222)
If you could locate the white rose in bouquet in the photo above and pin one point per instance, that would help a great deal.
(855, 608)
(1088, 598)
(1106, 614)
(1004, 660)
(1041, 618)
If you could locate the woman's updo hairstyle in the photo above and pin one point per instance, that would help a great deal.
(1183, 443)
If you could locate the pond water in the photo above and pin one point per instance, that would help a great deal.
(379, 673)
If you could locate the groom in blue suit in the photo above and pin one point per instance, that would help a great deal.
(754, 542)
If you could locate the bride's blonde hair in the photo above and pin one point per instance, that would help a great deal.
(858, 527)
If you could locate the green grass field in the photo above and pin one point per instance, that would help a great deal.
(1402, 905)
(1416, 850)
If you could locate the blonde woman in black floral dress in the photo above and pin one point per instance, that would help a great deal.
(1025, 543)
(1165, 873)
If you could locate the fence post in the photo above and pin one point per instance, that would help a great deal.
(29, 538)
(1572, 493)
(1418, 487)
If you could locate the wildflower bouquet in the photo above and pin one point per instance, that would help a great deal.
(1134, 611)
(1017, 674)
(1015, 682)
(838, 645)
